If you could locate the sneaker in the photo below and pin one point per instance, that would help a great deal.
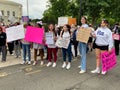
(64, 65)
(103, 72)
(54, 64)
(96, 71)
(27, 58)
(49, 64)
(16, 56)
(79, 66)
(29, 62)
(82, 71)
(68, 66)
(41, 63)
(23, 62)
(3, 61)
(12, 54)
(34, 63)
(19, 56)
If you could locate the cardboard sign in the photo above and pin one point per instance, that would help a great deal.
(72, 21)
(109, 60)
(15, 33)
(62, 43)
(66, 20)
(34, 34)
(83, 35)
(49, 38)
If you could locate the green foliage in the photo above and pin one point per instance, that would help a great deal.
(95, 10)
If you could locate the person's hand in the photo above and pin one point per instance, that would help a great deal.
(110, 51)
(94, 35)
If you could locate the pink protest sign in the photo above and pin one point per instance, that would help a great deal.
(34, 34)
(108, 60)
(116, 36)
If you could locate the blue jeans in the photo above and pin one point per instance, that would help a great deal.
(82, 49)
(17, 49)
(26, 51)
(68, 50)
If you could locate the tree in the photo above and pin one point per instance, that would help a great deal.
(95, 10)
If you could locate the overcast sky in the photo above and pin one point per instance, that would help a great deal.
(36, 7)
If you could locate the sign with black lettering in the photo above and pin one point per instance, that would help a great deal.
(109, 60)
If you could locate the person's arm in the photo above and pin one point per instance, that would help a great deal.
(110, 40)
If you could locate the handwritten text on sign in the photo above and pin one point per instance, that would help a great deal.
(49, 38)
(83, 35)
(62, 43)
(15, 33)
(34, 34)
(108, 60)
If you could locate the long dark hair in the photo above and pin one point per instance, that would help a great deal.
(68, 27)
(53, 29)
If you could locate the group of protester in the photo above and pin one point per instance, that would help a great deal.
(102, 37)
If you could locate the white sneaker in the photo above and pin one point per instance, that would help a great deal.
(27, 58)
(64, 65)
(34, 63)
(49, 64)
(12, 54)
(79, 66)
(54, 64)
(68, 66)
(96, 71)
(82, 71)
(23, 62)
(19, 56)
(29, 62)
(41, 63)
(103, 72)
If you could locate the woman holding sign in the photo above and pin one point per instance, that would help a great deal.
(38, 47)
(52, 49)
(65, 34)
(83, 48)
(26, 48)
(103, 42)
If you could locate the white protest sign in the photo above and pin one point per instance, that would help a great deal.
(49, 38)
(15, 33)
(62, 21)
(62, 43)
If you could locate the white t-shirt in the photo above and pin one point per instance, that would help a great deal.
(66, 35)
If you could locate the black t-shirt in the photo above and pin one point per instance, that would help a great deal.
(3, 38)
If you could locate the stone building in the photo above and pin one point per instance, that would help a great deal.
(10, 12)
